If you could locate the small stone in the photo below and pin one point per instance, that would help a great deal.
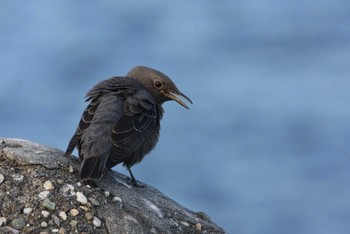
(55, 230)
(56, 220)
(48, 185)
(63, 215)
(106, 193)
(27, 210)
(60, 181)
(62, 231)
(43, 224)
(18, 223)
(97, 222)
(49, 204)
(67, 190)
(185, 224)
(116, 199)
(45, 213)
(89, 216)
(94, 201)
(81, 198)
(78, 184)
(18, 177)
(43, 195)
(74, 212)
(84, 208)
(3, 221)
(73, 223)
(71, 169)
(1, 178)
(44, 232)
(198, 227)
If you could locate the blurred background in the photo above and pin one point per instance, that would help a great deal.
(265, 147)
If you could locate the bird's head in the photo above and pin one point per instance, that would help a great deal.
(158, 84)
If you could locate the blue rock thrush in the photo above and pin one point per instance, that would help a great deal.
(122, 121)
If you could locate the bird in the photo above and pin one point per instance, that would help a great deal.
(121, 123)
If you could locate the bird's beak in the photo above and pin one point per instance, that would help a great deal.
(175, 97)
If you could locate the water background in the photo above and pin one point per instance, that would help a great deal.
(265, 147)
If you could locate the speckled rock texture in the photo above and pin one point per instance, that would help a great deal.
(41, 193)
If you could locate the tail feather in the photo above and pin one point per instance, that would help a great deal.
(92, 168)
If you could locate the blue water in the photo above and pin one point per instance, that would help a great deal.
(265, 147)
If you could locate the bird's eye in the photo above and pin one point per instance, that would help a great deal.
(158, 84)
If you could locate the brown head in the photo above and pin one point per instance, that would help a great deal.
(158, 84)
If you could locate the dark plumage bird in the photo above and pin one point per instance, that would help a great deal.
(122, 121)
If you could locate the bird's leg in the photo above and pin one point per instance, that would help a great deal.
(132, 179)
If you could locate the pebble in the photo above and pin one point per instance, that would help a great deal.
(78, 184)
(71, 169)
(60, 181)
(45, 232)
(62, 231)
(18, 177)
(89, 216)
(1, 178)
(117, 199)
(94, 201)
(49, 204)
(18, 223)
(185, 224)
(84, 208)
(198, 227)
(3, 221)
(43, 224)
(97, 222)
(55, 230)
(48, 185)
(45, 213)
(63, 215)
(81, 198)
(73, 223)
(56, 220)
(67, 190)
(106, 193)
(43, 195)
(74, 212)
(27, 210)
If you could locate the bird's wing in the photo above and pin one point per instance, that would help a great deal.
(84, 123)
(95, 143)
(117, 85)
(138, 121)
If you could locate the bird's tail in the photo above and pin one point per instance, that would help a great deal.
(92, 168)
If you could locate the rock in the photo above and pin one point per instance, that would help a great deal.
(111, 204)
(48, 185)
(3, 221)
(74, 212)
(81, 198)
(27, 210)
(18, 223)
(49, 204)
(1, 178)
(43, 195)
(18, 177)
(89, 216)
(45, 213)
(63, 215)
(97, 222)
(43, 224)
(56, 220)
(198, 227)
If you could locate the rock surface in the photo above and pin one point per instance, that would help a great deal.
(42, 179)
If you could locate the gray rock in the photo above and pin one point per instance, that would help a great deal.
(126, 209)
(18, 223)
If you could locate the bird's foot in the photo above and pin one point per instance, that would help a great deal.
(135, 183)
